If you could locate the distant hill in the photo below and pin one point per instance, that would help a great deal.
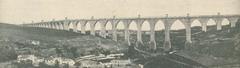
(52, 40)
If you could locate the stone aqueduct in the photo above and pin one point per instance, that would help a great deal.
(167, 21)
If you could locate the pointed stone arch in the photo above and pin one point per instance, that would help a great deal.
(177, 25)
(120, 25)
(56, 26)
(133, 31)
(211, 22)
(176, 36)
(48, 25)
(79, 27)
(211, 25)
(70, 26)
(159, 26)
(45, 25)
(225, 21)
(87, 26)
(159, 34)
(97, 26)
(196, 26)
(133, 26)
(108, 26)
(62, 25)
(119, 28)
(83, 26)
(145, 26)
(196, 23)
(52, 25)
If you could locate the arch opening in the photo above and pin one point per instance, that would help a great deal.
(145, 26)
(97, 28)
(133, 26)
(70, 27)
(79, 27)
(120, 31)
(159, 33)
(60, 25)
(211, 22)
(56, 26)
(177, 25)
(52, 25)
(196, 23)
(159, 26)
(178, 35)
(108, 28)
(47, 26)
(87, 27)
(196, 26)
(145, 32)
(225, 23)
(133, 32)
(120, 26)
(211, 25)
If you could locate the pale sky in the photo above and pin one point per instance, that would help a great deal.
(19, 11)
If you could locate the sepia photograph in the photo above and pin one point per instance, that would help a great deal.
(119, 33)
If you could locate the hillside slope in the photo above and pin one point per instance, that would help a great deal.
(49, 42)
(211, 48)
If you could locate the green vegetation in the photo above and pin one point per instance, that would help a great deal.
(209, 48)
(49, 42)
(7, 52)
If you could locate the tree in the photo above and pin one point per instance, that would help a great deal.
(73, 50)
(77, 64)
(59, 52)
(25, 64)
(56, 65)
(237, 45)
(106, 52)
(44, 65)
(7, 53)
(65, 66)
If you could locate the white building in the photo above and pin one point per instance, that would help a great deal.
(61, 60)
(65, 61)
(35, 60)
(90, 64)
(26, 57)
(92, 61)
(35, 42)
(120, 62)
(116, 55)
